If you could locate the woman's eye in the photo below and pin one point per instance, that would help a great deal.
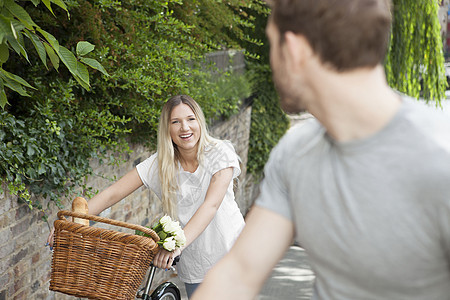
(174, 122)
(191, 119)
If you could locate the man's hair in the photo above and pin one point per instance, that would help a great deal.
(345, 34)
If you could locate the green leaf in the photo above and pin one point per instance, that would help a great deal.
(48, 4)
(94, 64)
(36, 2)
(84, 48)
(162, 235)
(68, 58)
(20, 13)
(16, 46)
(61, 4)
(5, 26)
(3, 99)
(14, 85)
(4, 53)
(18, 26)
(15, 78)
(50, 38)
(40, 49)
(81, 82)
(41, 169)
(82, 72)
(8, 31)
(13, 30)
(30, 150)
(52, 55)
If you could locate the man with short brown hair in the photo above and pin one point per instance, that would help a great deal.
(364, 187)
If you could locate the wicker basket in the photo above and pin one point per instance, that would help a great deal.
(97, 263)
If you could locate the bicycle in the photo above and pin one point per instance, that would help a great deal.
(165, 291)
(77, 248)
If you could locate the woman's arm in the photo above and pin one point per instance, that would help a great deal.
(202, 217)
(110, 196)
(114, 193)
(206, 212)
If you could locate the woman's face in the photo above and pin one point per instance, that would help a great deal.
(184, 127)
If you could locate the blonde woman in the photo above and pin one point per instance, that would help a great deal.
(192, 173)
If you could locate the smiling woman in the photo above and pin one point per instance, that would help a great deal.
(192, 173)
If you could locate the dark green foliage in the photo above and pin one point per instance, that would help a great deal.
(18, 29)
(269, 122)
(48, 139)
(222, 24)
(152, 50)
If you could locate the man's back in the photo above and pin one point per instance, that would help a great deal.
(373, 214)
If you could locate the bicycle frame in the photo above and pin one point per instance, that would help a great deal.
(160, 290)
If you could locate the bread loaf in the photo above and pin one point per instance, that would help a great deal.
(80, 205)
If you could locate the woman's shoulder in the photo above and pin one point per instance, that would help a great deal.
(149, 162)
(219, 155)
(217, 146)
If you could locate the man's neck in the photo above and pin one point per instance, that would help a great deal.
(354, 105)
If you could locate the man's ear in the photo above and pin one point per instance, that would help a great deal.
(298, 48)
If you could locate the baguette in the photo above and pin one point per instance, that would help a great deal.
(80, 205)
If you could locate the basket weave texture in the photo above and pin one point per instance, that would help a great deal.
(97, 263)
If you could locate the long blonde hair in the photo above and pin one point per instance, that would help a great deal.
(168, 153)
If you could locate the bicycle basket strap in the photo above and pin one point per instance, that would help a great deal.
(146, 230)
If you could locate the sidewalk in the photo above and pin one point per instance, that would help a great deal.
(291, 279)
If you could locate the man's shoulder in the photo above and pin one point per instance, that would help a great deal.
(431, 121)
(300, 135)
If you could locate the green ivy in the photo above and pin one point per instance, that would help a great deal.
(268, 122)
(415, 61)
(48, 139)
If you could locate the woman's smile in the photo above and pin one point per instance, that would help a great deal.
(184, 127)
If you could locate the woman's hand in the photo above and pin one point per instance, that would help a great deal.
(164, 259)
(50, 238)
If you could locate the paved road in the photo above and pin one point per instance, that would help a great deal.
(291, 279)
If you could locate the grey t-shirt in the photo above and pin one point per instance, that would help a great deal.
(373, 215)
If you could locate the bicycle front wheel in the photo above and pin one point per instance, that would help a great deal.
(169, 294)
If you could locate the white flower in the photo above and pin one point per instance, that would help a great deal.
(165, 219)
(171, 227)
(180, 238)
(171, 234)
(169, 244)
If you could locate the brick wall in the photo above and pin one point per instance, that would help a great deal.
(24, 259)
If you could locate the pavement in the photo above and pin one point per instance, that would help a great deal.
(291, 279)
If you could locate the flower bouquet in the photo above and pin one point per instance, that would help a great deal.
(170, 233)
